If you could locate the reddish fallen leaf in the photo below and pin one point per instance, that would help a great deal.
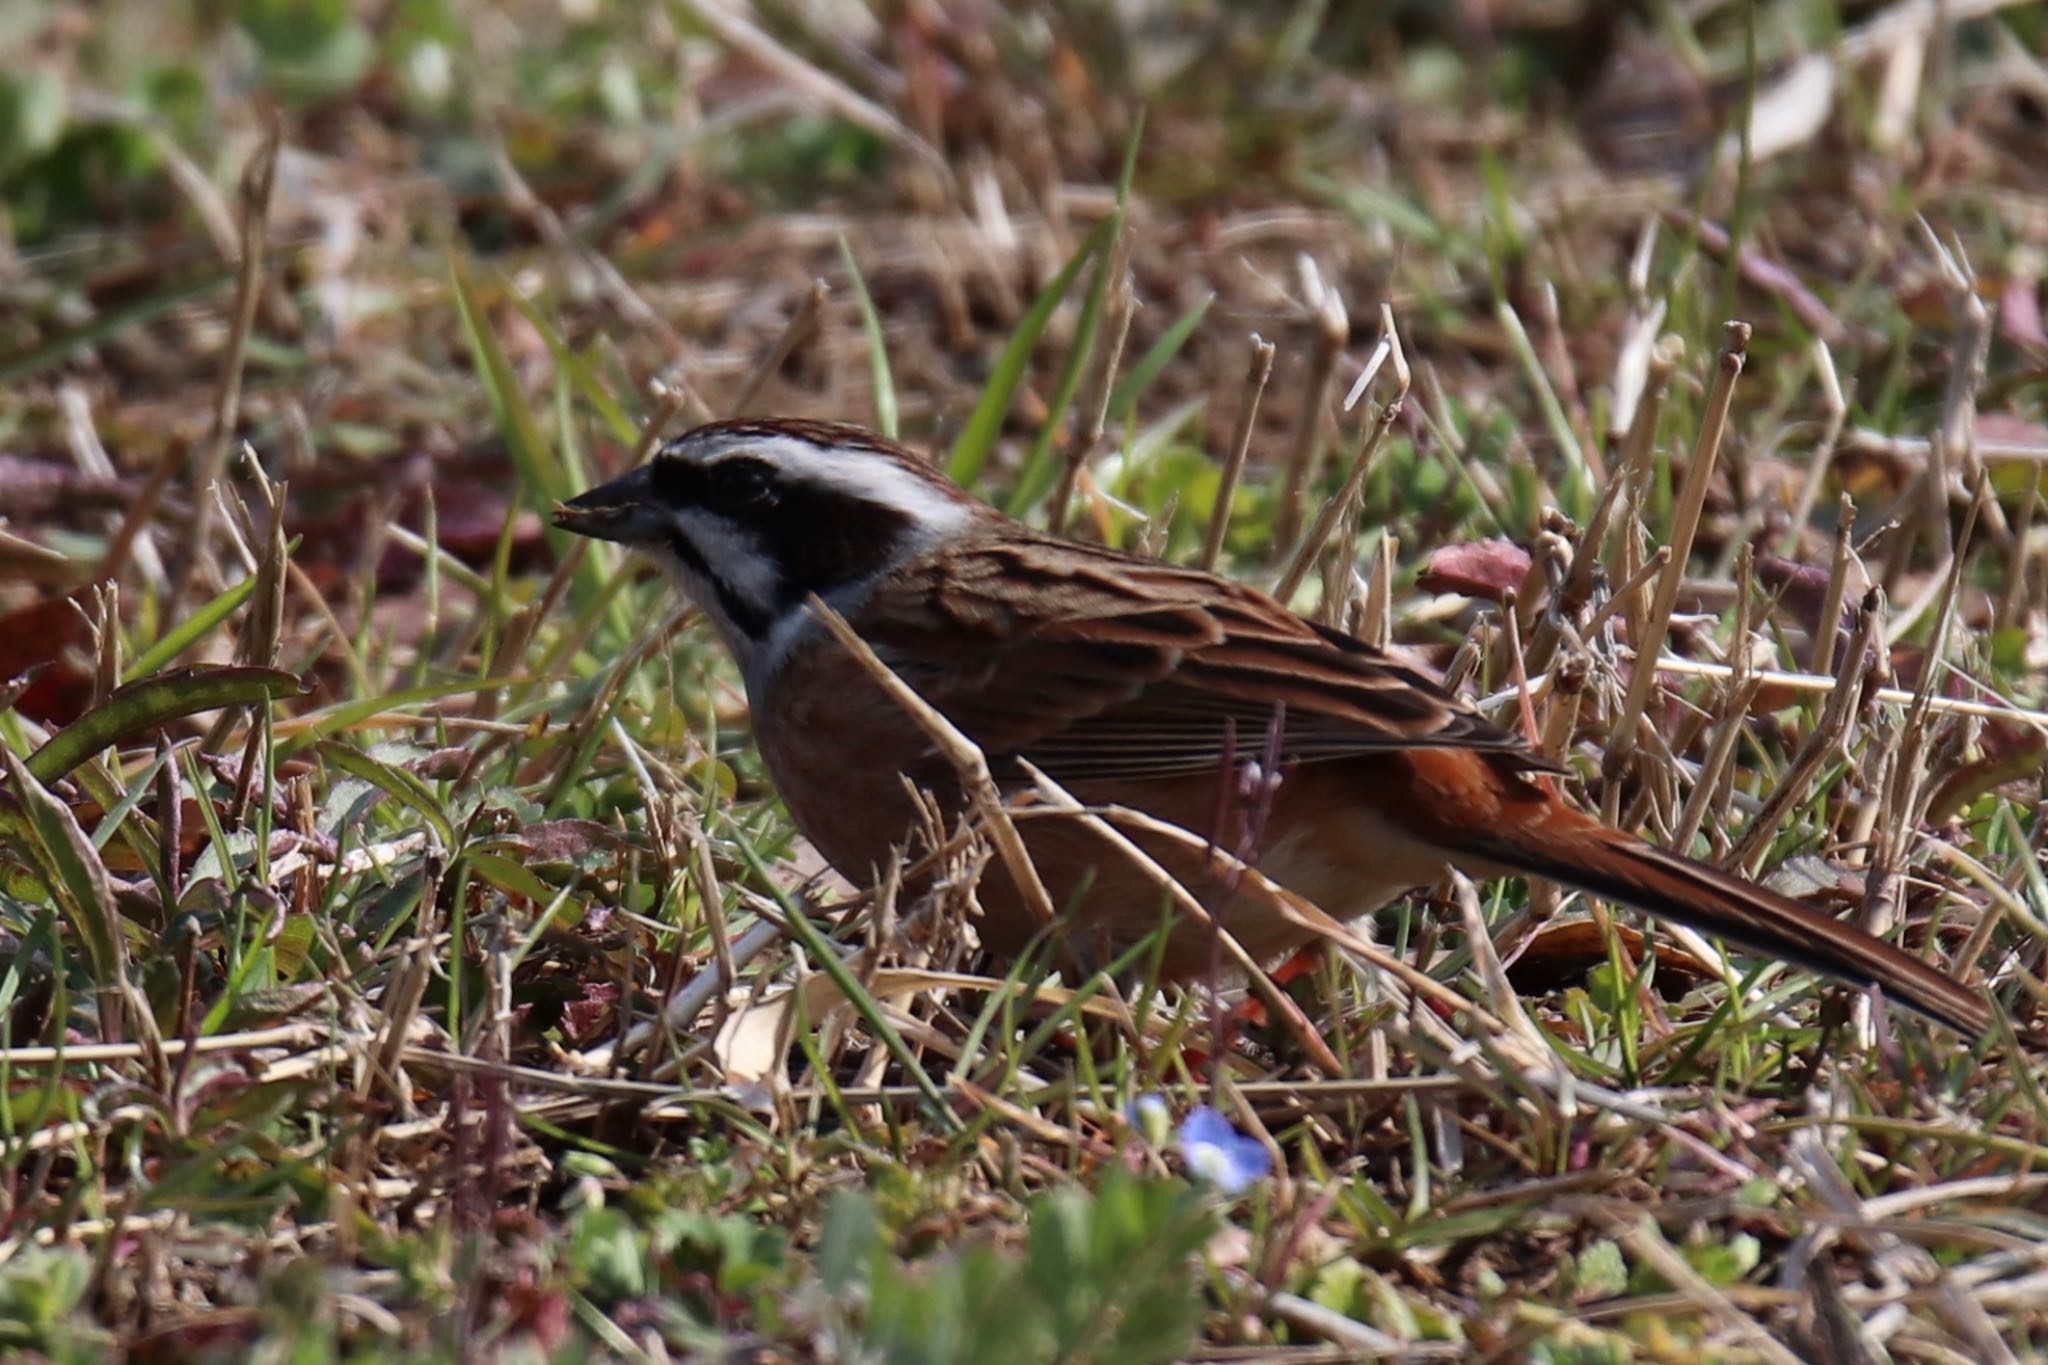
(1802, 587)
(31, 489)
(1773, 278)
(443, 765)
(1489, 569)
(2019, 313)
(589, 1016)
(2007, 429)
(539, 1313)
(1561, 954)
(222, 1335)
(52, 633)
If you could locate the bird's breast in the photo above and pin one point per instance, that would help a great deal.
(836, 747)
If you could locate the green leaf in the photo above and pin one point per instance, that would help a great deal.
(292, 947)
(39, 1289)
(309, 48)
(608, 1254)
(32, 107)
(1599, 1272)
(1724, 1262)
(143, 706)
(398, 784)
(848, 1242)
(68, 864)
(971, 451)
(514, 879)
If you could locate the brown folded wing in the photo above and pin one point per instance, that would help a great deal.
(1096, 665)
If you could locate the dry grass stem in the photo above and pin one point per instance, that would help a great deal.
(1329, 325)
(1261, 369)
(1686, 517)
(1821, 461)
(477, 987)
(1092, 408)
(812, 83)
(800, 330)
(1187, 903)
(259, 180)
(1326, 519)
(1829, 736)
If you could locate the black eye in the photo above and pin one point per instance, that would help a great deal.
(736, 484)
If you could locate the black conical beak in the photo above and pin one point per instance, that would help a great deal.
(623, 510)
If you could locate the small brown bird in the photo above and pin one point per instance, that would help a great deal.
(1130, 683)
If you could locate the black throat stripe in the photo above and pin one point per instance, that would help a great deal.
(745, 616)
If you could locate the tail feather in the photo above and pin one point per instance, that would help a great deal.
(1580, 852)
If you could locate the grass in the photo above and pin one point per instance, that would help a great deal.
(405, 956)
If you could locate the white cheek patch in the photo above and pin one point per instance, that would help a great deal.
(744, 570)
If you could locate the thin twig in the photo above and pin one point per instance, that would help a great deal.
(1092, 411)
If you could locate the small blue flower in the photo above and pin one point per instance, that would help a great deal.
(1218, 1154)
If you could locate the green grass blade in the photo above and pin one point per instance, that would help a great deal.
(971, 451)
(878, 351)
(827, 957)
(190, 631)
(582, 378)
(538, 468)
(54, 350)
(1371, 207)
(1042, 469)
(350, 714)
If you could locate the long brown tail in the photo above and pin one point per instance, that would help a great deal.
(1568, 847)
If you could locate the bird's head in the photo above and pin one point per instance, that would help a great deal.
(750, 518)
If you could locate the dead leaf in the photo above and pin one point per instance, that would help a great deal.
(1489, 569)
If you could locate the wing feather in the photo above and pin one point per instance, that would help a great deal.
(1096, 665)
